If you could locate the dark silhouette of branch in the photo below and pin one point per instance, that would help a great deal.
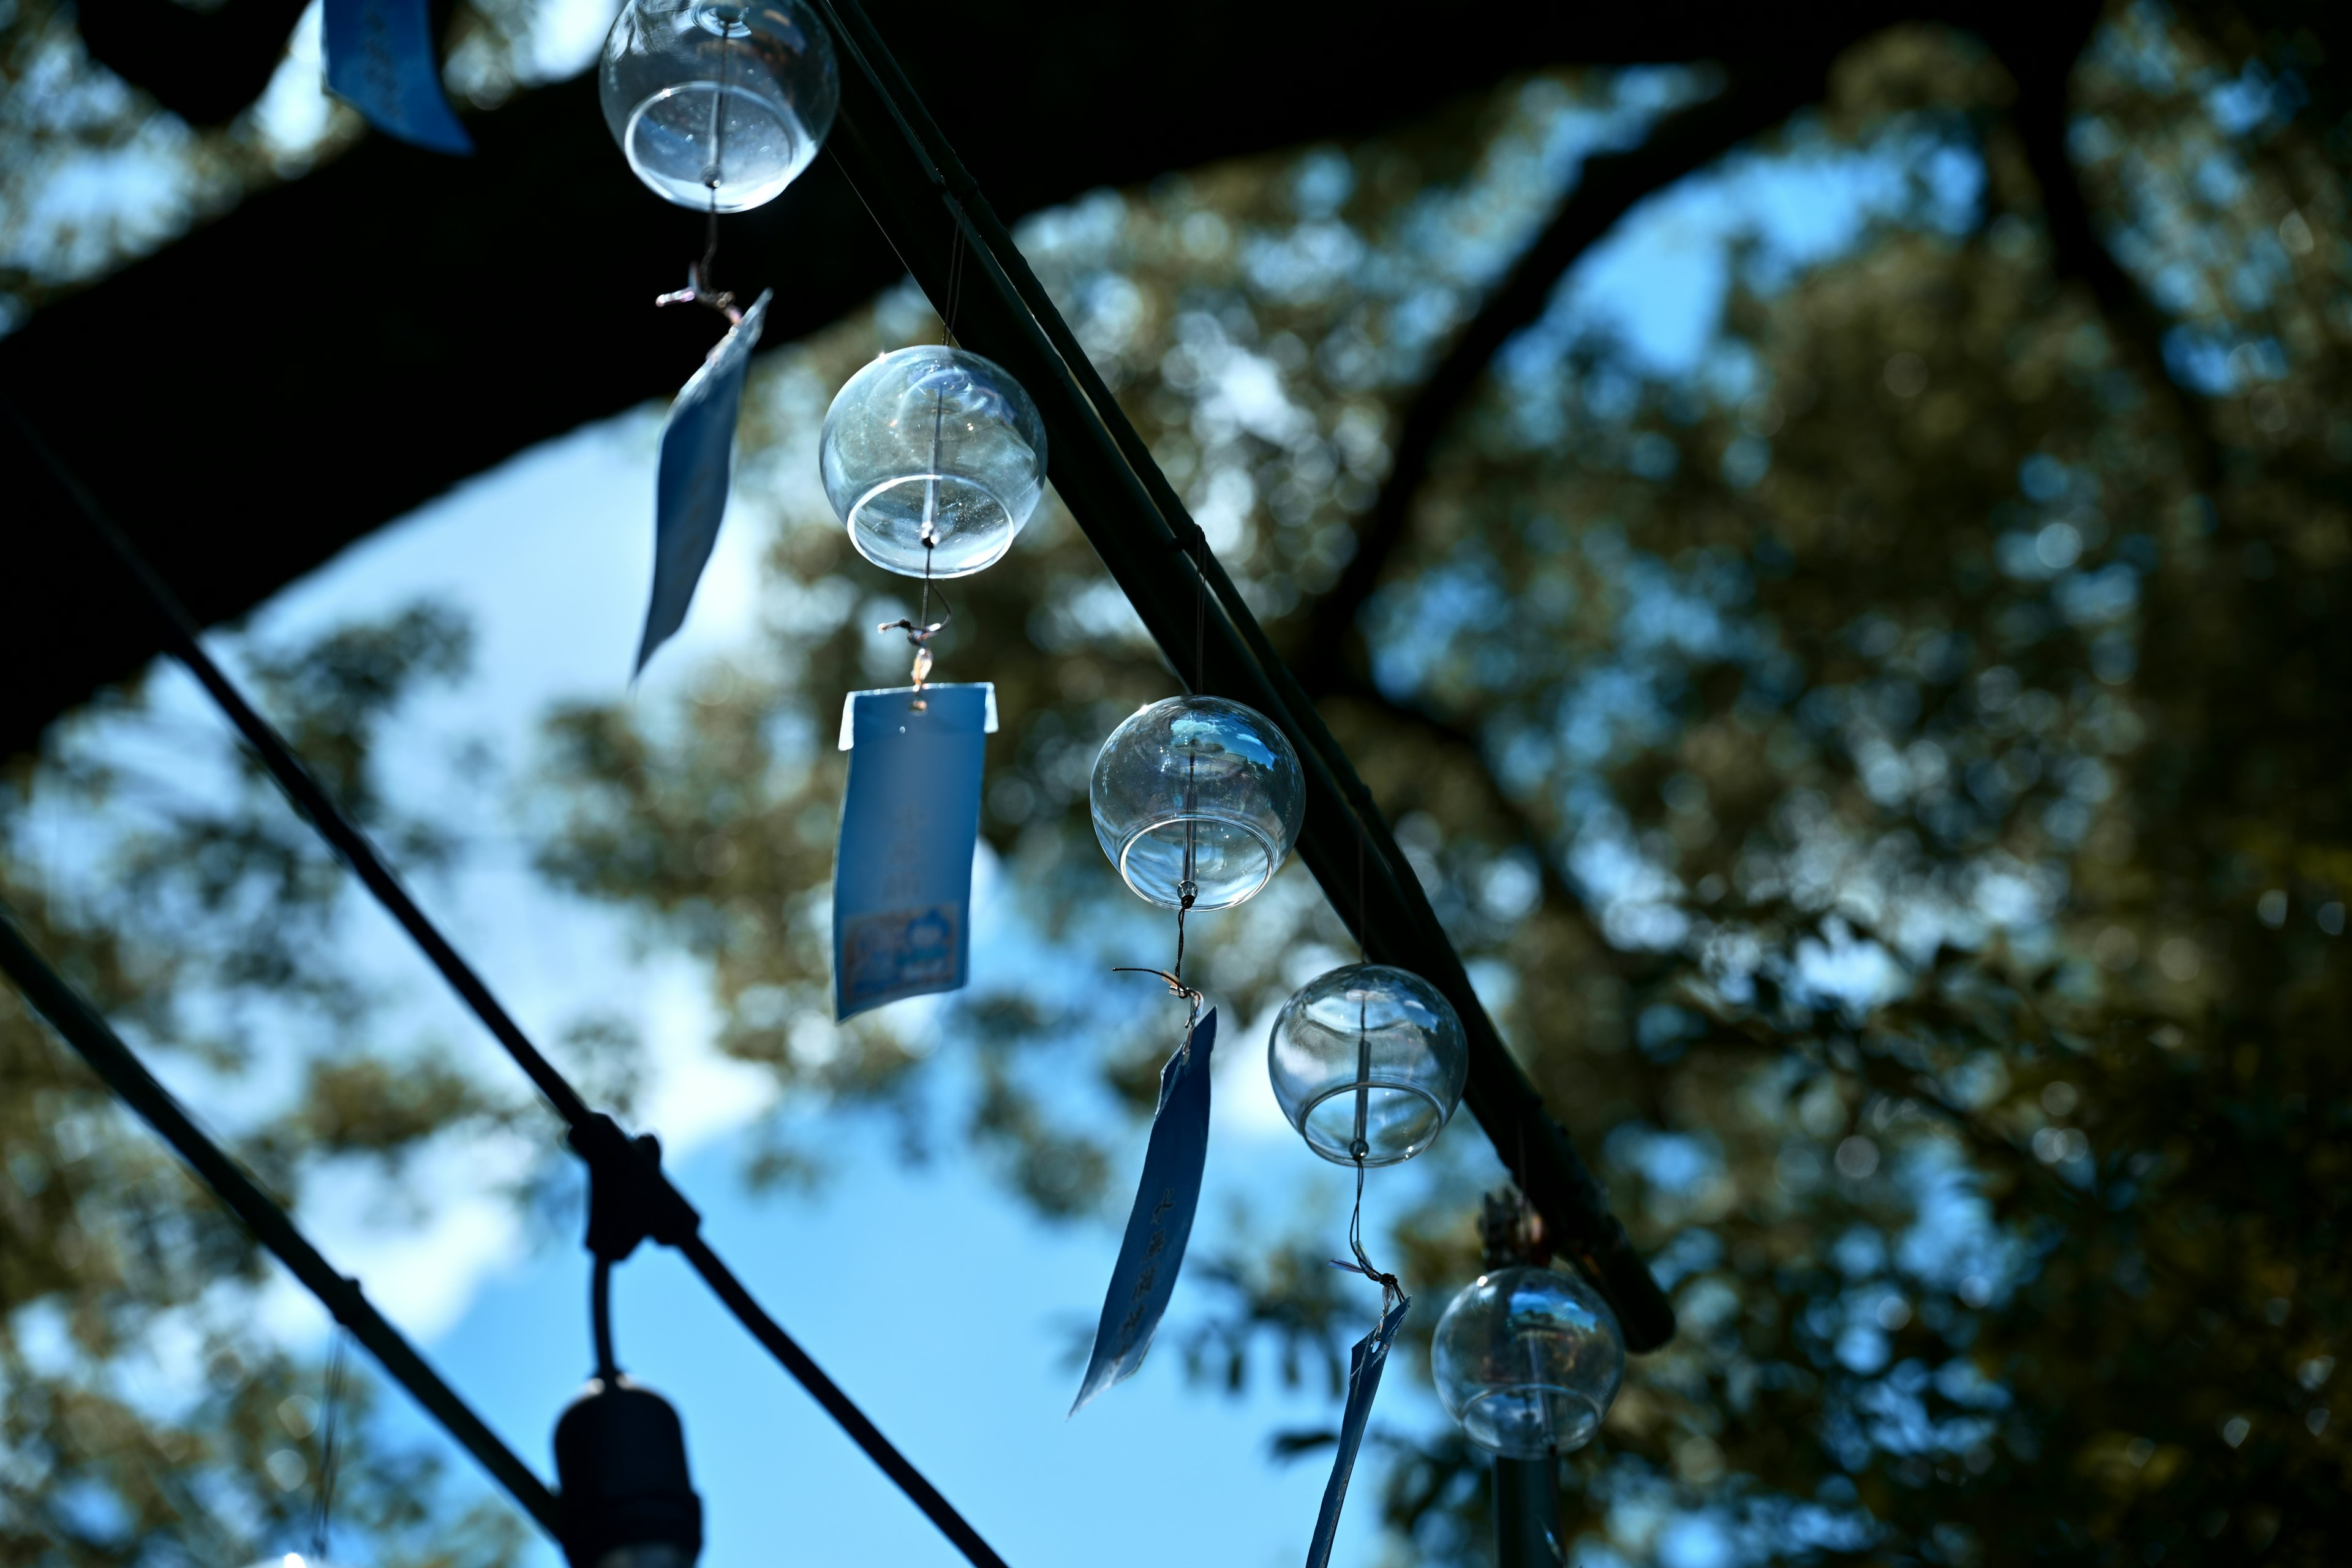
(1520, 824)
(1759, 95)
(2042, 59)
(336, 351)
(203, 66)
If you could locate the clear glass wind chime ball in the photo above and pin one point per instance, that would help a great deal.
(934, 457)
(1367, 1061)
(719, 105)
(1199, 795)
(1527, 1360)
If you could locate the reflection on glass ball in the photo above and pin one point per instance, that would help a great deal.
(293, 1560)
(717, 105)
(933, 457)
(1368, 1062)
(1197, 796)
(1528, 1360)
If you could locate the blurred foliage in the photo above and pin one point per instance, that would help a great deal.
(94, 172)
(1879, 772)
(146, 1416)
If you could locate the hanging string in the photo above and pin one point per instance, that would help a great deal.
(1200, 611)
(1392, 1289)
(701, 285)
(323, 1505)
(955, 281)
(1363, 940)
(600, 1318)
(922, 628)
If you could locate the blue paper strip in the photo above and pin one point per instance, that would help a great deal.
(1161, 1221)
(380, 60)
(697, 465)
(909, 821)
(1364, 1365)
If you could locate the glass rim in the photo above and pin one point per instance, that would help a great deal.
(1470, 1405)
(1342, 1156)
(857, 510)
(1265, 848)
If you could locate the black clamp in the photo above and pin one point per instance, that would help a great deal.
(629, 1199)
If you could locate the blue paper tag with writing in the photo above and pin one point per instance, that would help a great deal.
(697, 465)
(1364, 1366)
(909, 821)
(380, 60)
(1161, 1221)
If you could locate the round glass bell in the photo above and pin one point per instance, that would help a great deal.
(1527, 1360)
(1199, 797)
(934, 457)
(1367, 1061)
(719, 105)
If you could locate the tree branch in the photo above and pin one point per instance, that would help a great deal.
(2042, 59)
(1520, 823)
(452, 311)
(1760, 95)
(203, 66)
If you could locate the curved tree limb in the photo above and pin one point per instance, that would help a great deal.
(1520, 825)
(203, 66)
(338, 350)
(2043, 61)
(1760, 95)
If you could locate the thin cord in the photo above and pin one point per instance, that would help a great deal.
(701, 277)
(1199, 611)
(322, 1516)
(1363, 941)
(600, 1318)
(955, 280)
(1391, 1290)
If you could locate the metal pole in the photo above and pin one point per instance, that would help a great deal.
(73, 1017)
(1526, 1512)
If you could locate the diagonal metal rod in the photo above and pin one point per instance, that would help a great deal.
(71, 1015)
(593, 1135)
(926, 202)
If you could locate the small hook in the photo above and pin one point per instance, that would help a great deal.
(698, 291)
(1176, 987)
(920, 633)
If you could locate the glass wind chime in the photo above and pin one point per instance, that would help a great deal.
(718, 106)
(1368, 1062)
(1528, 1359)
(1197, 802)
(933, 458)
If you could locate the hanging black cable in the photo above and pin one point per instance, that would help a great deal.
(611, 1155)
(96, 1043)
(895, 156)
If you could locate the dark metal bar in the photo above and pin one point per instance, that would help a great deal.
(1526, 1512)
(90, 1034)
(594, 1136)
(920, 194)
(839, 1405)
